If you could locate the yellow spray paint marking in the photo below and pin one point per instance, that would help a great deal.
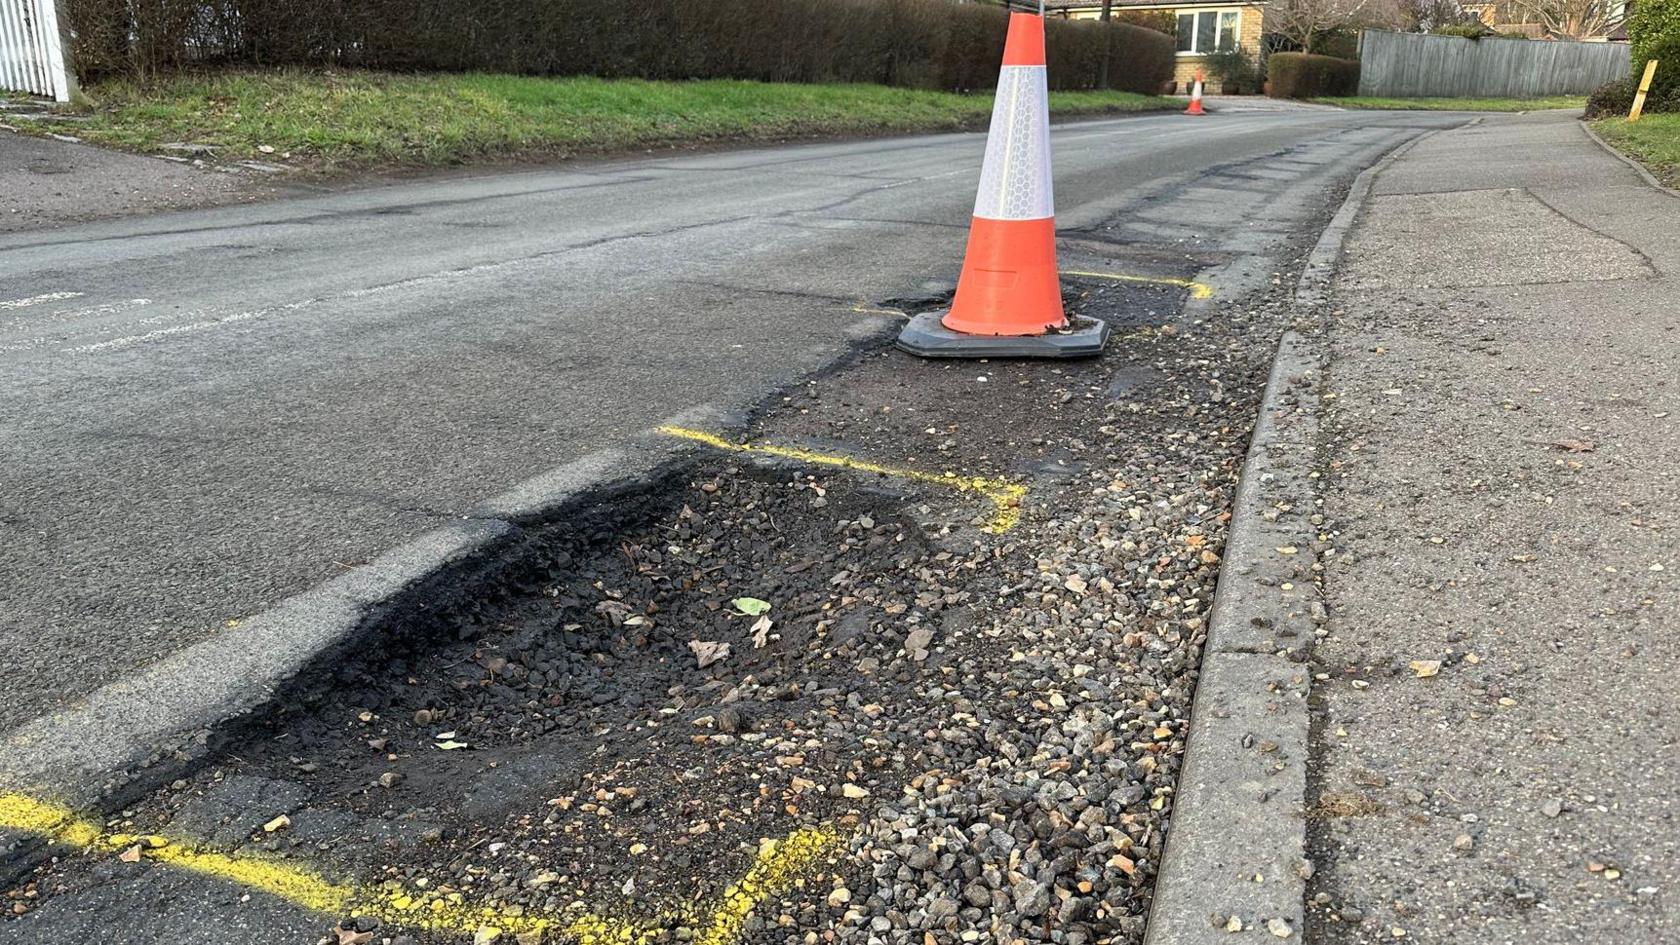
(777, 868)
(1005, 496)
(1198, 290)
(779, 865)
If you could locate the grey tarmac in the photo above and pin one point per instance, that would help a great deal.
(208, 412)
(1493, 741)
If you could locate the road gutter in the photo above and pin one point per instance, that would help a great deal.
(1235, 858)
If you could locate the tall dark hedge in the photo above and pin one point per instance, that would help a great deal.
(1300, 75)
(920, 43)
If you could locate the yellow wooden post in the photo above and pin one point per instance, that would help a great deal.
(1644, 86)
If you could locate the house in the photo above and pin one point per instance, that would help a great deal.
(1202, 28)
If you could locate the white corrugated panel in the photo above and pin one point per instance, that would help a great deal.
(31, 49)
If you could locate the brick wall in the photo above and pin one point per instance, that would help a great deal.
(1249, 30)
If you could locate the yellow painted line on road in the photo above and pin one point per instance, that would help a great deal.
(1005, 496)
(776, 869)
(1198, 290)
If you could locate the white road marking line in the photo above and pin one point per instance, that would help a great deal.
(40, 300)
(918, 180)
(73, 314)
(131, 340)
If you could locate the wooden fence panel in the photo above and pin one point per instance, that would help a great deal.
(1416, 65)
(32, 57)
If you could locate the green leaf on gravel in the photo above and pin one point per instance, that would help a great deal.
(751, 606)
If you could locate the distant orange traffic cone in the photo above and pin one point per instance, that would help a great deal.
(1009, 298)
(1196, 97)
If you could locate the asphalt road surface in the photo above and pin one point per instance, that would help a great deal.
(204, 412)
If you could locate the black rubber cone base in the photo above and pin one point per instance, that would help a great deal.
(927, 337)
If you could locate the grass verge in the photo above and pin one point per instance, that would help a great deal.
(343, 119)
(1653, 140)
(1460, 104)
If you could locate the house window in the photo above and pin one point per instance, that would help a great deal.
(1204, 31)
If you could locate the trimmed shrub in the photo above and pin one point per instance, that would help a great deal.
(1234, 69)
(1303, 75)
(1466, 30)
(917, 43)
(1614, 99)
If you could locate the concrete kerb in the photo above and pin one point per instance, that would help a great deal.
(1641, 169)
(1236, 849)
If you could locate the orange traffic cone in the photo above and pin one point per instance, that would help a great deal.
(1009, 298)
(1195, 97)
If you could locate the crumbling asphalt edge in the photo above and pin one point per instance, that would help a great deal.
(133, 735)
(1235, 858)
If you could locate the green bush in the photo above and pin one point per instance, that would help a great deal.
(1614, 99)
(917, 43)
(1654, 32)
(1466, 30)
(1303, 75)
(1234, 69)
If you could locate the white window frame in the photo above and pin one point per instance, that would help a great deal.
(1195, 27)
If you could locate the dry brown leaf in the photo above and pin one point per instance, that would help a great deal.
(1424, 669)
(1574, 446)
(130, 855)
(760, 632)
(707, 652)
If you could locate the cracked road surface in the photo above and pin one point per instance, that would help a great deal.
(202, 413)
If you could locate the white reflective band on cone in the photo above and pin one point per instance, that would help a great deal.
(1015, 180)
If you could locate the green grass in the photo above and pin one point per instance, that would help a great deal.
(1653, 140)
(365, 119)
(1460, 104)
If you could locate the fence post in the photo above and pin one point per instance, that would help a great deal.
(62, 59)
(1644, 86)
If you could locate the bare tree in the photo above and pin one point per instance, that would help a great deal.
(1304, 22)
(1421, 16)
(1576, 19)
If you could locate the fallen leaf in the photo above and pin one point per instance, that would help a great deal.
(1424, 669)
(130, 855)
(761, 632)
(353, 937)
(451, 745)
(1574, 446)
(277, 823)
(707, 652)
(751, 606)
